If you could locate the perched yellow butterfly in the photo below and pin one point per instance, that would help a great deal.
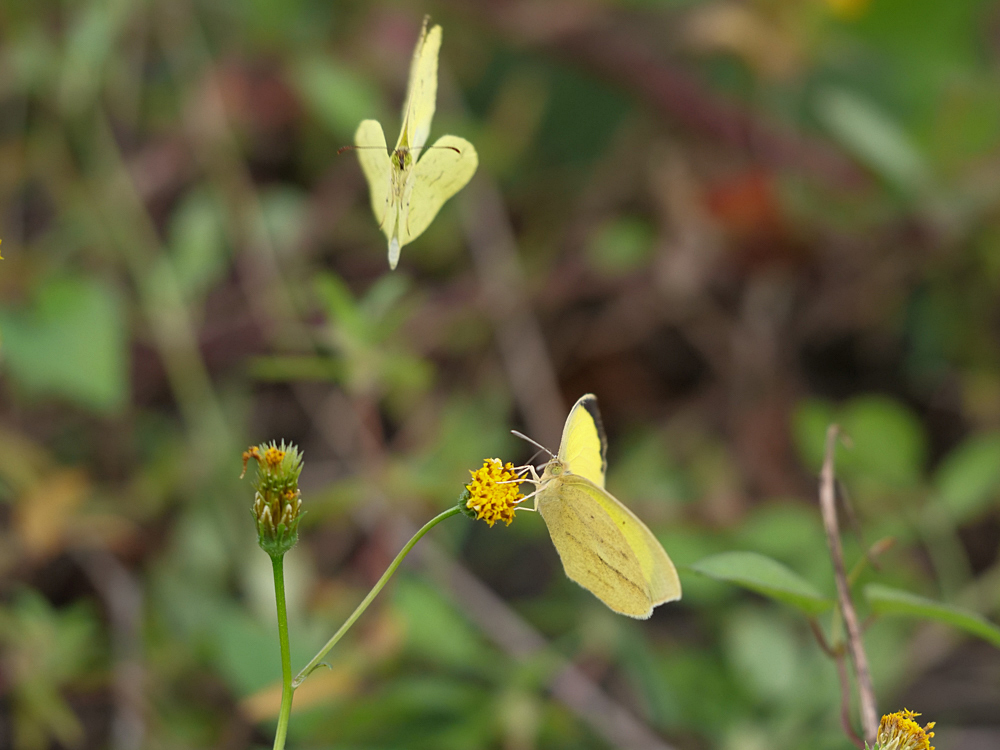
(409, 187)
(603, 546)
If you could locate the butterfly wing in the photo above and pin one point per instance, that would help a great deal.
(584, 446)
(421, 92)
(377, 167)
(658, 569)
(442, 171)
(595, 553)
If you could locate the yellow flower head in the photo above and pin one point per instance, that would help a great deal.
(899, 731)
(493, 492)
(273, 457)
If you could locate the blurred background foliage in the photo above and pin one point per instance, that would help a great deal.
(733, 221)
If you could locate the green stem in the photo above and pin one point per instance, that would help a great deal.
(308, 668)
(286, 661)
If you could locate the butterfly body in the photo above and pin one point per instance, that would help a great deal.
(603, 546)
(409, 184)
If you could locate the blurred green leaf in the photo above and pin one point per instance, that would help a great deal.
(889, 601)
(765, 576)
(621, 245)
(762, 648)
(70, 343)
(968, 480)
(435, 628)
(810, 421)
(873, 137)
(887, 441)
(339, 97)
(197, 243)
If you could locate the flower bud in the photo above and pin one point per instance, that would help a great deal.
(277, 500)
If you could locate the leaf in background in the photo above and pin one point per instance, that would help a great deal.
(889, 601)
(809, 422)
(765, 576)
(872, 136)
(339, 97)
(621, 245)
(968, 480)
(197, 243)
(72, 343)
(91, 42)
(887, 441)
(764, 651)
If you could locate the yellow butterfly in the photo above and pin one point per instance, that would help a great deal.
(408, 190)
(603, 546)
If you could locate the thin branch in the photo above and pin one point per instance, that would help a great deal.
(825, 647)
(845, 701)
(828, 506)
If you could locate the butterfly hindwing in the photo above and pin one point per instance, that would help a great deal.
(593, 549)
(442, 171)
(657, 568)
(377, 168)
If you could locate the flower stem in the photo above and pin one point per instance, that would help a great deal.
(315, 661)
(277, 562)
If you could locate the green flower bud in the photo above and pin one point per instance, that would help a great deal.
(277, 499)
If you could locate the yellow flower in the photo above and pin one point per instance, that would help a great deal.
(899, 731)
(273, 457)
(493, 492)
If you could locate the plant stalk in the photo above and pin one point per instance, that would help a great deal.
(316, 660)
(287, 690)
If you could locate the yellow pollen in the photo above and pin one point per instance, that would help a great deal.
(899, 731)
(489, 496)
(273, 457)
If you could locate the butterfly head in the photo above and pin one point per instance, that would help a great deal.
(554, 468)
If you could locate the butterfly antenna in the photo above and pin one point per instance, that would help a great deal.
(533, 442)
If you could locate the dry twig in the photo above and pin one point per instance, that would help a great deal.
(828, 506)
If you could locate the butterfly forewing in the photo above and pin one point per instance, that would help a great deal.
(584, 447)
(421, 92)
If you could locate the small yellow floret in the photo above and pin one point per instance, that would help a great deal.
(273, 457)
(491, 499)
(899, 731)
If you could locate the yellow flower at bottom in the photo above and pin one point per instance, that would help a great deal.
(489, 496)
(899, 731)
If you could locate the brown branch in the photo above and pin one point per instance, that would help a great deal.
(845, 702)
(837, 654)
(828, 507)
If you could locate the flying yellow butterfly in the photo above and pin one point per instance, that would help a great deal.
(408, 190)
(603, 546)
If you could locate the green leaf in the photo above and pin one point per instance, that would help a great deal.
(861, 126)
(339, 97)
(71, 343)
(889, 601)
(765, 576)
(968, 480)
(197, 243)
(887, 442)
